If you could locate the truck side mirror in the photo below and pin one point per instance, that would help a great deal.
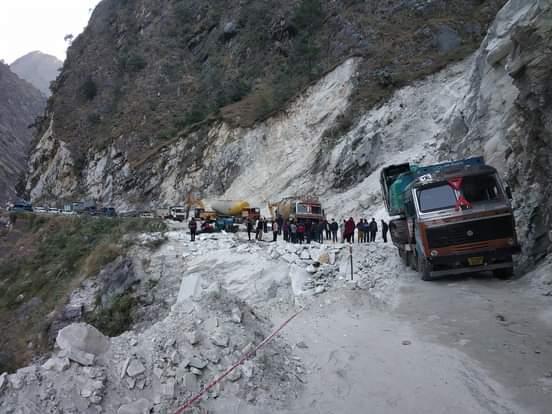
(508, 192)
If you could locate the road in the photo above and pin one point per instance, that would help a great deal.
(462, 345)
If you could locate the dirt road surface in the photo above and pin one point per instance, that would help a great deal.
(462, 345)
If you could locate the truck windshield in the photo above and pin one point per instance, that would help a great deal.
(481, 188)
(301, 208)
(316, 209)
(436, 198)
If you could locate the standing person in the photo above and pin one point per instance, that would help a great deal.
(366, 229)
(360, 231)
(265, 225)
(334, 227)
(285, 229)
(293, 232)
(192, 225)
(275, 230)
(315, 228)
(373, 230)
(280, 221)
(384, 229)
(350, 230)
(249, 225)
(308, 231)
(342, 228)
(321, 229)
(260, 227)
(301, 232)
(327, 230)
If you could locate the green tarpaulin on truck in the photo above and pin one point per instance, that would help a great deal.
(396, 190)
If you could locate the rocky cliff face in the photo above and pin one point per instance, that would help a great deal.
(507, 114)
(20, 104)
(157, 98)
(37, 68)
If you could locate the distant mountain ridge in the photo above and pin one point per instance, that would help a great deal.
(20, 104)
(37, 68)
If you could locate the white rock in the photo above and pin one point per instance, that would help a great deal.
(190, 382)
(168, 388)
(135, 368)
(192, 337)
(248, 369)
(305, 255)
(81, 357)
(125, 367)
(311, 269)
(82, 337)
(298, 278)
(3, 380)
(142, 406)
(220, 339)
(197, 362)
(319, 289)
(195, 371)
(211, 324)
(234, 375)
(236, 315)
(189, 288)
(290, 258)
(57, 364)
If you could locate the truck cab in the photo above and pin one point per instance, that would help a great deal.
(456, 218)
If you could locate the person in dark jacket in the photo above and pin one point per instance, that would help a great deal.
(260, 228)
(301, 232)
(315, 229)
(285, 229)
(327, 229)
(321, 229)
(334, 228)
(373, 230)
(308, 231)
(192, 225)
(350, 230)
(249, 228)
(384, 229)
(280, 221)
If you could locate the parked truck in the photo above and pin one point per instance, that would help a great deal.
(451, 218)
(297, 208)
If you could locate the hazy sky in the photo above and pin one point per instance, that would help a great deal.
(27, 25)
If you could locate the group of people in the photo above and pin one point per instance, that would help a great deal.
(299, 231)
(366, 231)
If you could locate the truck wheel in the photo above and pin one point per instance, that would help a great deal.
(424, 267)
(504, 274)
(411, 259)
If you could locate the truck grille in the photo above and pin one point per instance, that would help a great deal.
(471, 232)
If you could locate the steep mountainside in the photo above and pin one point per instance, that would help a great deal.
(20, 104)
(37, 68)
(152, 91)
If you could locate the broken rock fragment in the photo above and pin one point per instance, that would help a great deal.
(142, 406)
(135, 368)
(82, 343)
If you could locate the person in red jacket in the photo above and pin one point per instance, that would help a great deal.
(350, 230)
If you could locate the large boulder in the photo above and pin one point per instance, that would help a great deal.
(142, 406)
(82, 337)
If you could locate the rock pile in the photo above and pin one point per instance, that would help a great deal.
(161, 367)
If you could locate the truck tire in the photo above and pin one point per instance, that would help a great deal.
(411, 260)
(424, 267)
(504, 274)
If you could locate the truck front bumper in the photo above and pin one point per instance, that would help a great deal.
(459, 263)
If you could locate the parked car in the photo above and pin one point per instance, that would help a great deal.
(108, 212)
(21, 207)
(69, 213)
(52, 210)
(40, 210)
(147, 215)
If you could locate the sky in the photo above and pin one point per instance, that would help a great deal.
(29, 25)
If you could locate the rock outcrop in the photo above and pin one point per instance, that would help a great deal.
(507, 115)
(37, 68)
(20, 104)
(156, 98)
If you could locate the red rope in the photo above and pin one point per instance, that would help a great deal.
(244, 357)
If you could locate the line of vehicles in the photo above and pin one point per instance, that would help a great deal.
(451, 218)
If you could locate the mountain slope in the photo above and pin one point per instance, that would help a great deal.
(37, 68)
(148, 77)
(20, 104)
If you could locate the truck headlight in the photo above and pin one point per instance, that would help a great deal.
(434, 253)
